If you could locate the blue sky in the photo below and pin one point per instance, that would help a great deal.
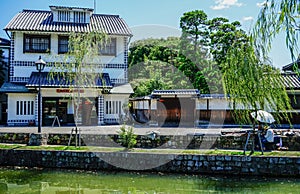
(157, 18)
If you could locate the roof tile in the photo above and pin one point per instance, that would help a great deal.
(32, 20)
(57, 81)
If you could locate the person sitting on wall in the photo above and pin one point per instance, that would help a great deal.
(268, 138)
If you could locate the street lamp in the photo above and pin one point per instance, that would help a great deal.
(40, 65)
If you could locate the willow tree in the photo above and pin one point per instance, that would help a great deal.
(275, 17)
(78, 69)
(248, 77)
(252, 85)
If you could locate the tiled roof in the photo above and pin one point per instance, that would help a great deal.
(291, 66)
(215, 96)
(291, 80)
(70, 8)
(13, 88)
(46, 81)
(176, 92)
(33, 20)
(4, 42)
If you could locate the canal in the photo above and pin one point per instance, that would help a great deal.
(43, 181)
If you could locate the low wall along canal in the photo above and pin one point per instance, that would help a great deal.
(155, 162)
(198, 141)
(194, 164)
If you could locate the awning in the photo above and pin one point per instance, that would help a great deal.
(176, 92)
(122, 89)
(13, 88)
(101, 81)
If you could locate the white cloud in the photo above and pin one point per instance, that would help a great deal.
(225, 4)
(249, 18)
(262, 4)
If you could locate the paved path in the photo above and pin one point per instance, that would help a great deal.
(112, 129)
(141, 130)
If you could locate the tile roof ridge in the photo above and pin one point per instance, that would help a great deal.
(32, 10)
(289, 73)
(109, 15)
(70, 7)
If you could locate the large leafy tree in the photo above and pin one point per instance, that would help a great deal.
(206, 42)
(156, 67)
(249, 83)
(190, 53)
(194, 34)
(223, 36)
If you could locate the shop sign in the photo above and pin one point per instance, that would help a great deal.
(67, 90)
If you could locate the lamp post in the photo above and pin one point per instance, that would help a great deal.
(40, 65)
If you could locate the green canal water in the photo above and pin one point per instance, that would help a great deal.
(33, 181)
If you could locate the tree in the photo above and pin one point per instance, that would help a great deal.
(276, 17)
(78, 68)
(194, 34)
(205, 42)
(223, 36)
(152, 64)
(251, 85)
(155, 67)
(247, 81)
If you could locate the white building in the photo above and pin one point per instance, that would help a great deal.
(37, 33)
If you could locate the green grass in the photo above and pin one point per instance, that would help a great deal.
(156, 151)
(10, 146)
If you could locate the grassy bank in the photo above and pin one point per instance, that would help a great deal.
(157, 151)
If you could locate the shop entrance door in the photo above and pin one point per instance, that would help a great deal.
(55, 107)
(62, 112)
(49, 111)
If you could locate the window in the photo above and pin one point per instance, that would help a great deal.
(109, 48)
(64, 16)
(18, 108)
(113, 107)
(79, 17)
(24, 107)
(63, 44)
(295, 101)
(36, 43)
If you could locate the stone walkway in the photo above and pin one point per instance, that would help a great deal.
(112, 129)
(141, 130)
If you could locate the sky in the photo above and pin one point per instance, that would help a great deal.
(157, 18)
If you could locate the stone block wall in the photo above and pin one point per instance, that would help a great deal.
(172, 142)
(191, 164)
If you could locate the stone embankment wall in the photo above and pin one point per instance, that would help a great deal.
(195, 164)
(170, 141)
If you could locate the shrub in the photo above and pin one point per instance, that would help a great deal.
(126, 137)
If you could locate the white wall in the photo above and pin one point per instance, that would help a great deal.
(218, 104)
(12, 102)
(53, 55)
(122, 98)
(52, 92)
(142, 105)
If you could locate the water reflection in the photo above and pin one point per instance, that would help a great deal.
(63, 182)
